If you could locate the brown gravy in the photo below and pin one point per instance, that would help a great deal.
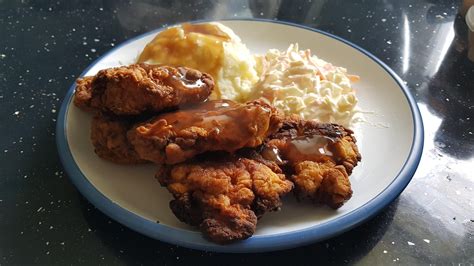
(316, 145)
(198, 46)
(222, 117)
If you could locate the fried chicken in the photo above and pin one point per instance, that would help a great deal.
(139, 88)
(220, 125)
(318, 158)
(109, 137)
(83, 93)
(224, 195)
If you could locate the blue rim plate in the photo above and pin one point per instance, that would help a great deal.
(263, 242)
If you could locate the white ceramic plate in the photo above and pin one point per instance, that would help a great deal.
(390, 155)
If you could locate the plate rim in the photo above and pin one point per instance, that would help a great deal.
(273, 242)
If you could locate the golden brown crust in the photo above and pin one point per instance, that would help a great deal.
(139, 88)
(83, 93)
(174, 137)
(319, 175)
(224, 196)
(109, 137)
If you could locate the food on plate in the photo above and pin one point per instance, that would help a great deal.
(209, 47)
(214, 125)
(139, 88)
(318, 158)
(233, 142)
(83, 93)
(109, 137)
(297, 82)
(224, 195)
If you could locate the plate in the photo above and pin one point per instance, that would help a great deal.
(391, 153)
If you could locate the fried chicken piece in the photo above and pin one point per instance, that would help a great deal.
(318, 157)
(139, 88)
(220, 125)
(83, 93)
(109, 137)
(224, 196)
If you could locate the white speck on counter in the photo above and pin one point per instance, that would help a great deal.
(96, 40)
(16, 113)
(384, 20)
(39, 209)
(385, 252)
(93, 50)
(389, 42)
(62, 243)
(427, 240)
(53, 111)
(47, 243)
(410, 243)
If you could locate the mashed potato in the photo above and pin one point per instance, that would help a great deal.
(297, 82)
(210, 47)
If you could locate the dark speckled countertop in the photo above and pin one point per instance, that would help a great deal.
(45, 45)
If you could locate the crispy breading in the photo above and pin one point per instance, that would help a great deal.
(83, 93)
(318, 158)
(139, 88)
(212, 126)
(109, 137)
(224, 196)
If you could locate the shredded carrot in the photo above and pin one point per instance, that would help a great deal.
(353, 78)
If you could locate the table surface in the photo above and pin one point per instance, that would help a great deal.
(45, 45)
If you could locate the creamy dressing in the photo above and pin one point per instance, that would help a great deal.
(297, 82)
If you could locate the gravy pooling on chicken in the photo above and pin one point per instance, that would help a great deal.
(213, 125)
(272, 154)
(216, 116)
(188, 79)
(142, 88)
(315, 145)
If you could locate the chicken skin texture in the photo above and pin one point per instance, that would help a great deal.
(140, 88)
(83, 94)
(109, 137)
(317, 157)
(224, 196)
(220, 125)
